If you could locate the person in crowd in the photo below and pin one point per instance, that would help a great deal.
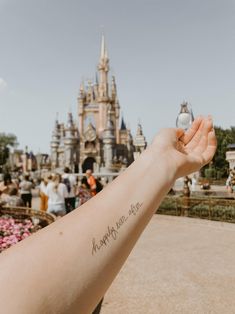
(71, 183)
(16, 180)
(13, 199)
(228, 181)
(194, 183)
(99, 185)
(57, 193)
(84, 251)
(26, 187)
(232, 180)
(43, 193)
(83, 192)
(5, 186)
(91, 181)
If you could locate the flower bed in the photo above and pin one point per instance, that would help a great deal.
(18, 223)
(13, 231)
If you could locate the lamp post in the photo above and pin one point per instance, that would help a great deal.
(184, 120)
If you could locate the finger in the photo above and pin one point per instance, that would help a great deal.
(197, 136)
(204, 129)
(192, 131)
(211, 147)
(179, 144)
(179, 133)
(204, 140)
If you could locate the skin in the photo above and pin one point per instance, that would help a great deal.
(68, 266)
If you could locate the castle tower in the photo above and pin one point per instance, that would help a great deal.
(103, 87)
(96, 86)
(70, 142)
(116, 106)
(108, 142)
(81, 103)
(55, 145)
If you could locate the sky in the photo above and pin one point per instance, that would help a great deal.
(162, 52)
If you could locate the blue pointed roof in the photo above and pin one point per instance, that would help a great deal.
(123, 125)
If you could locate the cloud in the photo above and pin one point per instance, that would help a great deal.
(3, 84)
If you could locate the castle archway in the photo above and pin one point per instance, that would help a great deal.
(88, 164)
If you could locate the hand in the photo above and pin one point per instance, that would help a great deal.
(187, 152)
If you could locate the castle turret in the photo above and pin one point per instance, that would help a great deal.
(55, 144)
(108, 141)
(70, 143)
(117, 116)
(113, 89)
(82, 95)
(95, 86)
(123, 125)
(123, 132)
(81, 103)
(90, 93)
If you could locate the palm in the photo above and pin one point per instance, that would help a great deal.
(191, 150)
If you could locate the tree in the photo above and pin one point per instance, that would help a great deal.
(219, 164)
(6, 141)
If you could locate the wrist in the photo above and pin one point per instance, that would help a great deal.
(161, 164)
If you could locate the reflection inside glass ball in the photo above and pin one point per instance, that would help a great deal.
(183, 121)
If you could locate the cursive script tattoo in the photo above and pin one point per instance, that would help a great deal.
(111, 233)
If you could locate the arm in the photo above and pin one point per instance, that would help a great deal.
(68, 266)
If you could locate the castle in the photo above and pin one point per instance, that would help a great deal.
(99, 140)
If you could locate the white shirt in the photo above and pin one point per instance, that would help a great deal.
(73, 183)
(26, 187)
(56, 196)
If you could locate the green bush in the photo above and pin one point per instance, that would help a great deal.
(200, 210)
(210, 173)
(169, 206)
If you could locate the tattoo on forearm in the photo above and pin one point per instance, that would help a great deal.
(113, 231)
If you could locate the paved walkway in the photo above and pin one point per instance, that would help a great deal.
(180, 265)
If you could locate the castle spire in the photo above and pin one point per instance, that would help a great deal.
(103, 50)
(96, 79)
(70, 120)
(103, 68)
(56, 127)
(81, 89)
(123, 125)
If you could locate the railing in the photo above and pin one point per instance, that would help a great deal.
(204, 208)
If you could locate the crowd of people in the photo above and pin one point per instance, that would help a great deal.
(16, 192)
(59, 193)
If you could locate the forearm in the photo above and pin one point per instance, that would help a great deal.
(77, 257)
